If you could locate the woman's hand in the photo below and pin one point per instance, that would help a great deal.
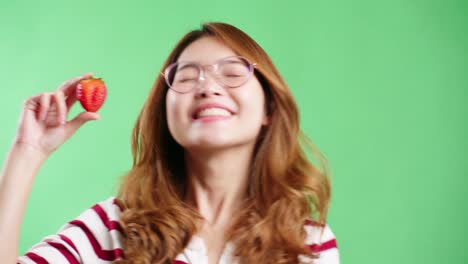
(43, 122)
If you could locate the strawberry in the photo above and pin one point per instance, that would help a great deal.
(91, 93)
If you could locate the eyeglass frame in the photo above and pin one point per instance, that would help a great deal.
(202, 73)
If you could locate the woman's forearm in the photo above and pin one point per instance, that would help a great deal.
(16, 179)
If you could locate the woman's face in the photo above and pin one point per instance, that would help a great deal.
(211, 116)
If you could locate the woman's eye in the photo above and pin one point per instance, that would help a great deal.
(234, 70)
(232, 75)
(184, 80)
(185, 77)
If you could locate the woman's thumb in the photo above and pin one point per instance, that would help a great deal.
(80, 119)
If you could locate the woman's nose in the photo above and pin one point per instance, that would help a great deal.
(208, 85)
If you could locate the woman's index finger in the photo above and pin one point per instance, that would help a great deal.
(69, 86)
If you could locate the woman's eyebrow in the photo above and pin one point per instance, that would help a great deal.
(185, 64)
(229, 58)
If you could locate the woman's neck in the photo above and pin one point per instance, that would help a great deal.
(218, 183)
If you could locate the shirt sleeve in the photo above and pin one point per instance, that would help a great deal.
(321, 240)
(93, 237)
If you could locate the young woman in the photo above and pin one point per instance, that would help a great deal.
(218, 176)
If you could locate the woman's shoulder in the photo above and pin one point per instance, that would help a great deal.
(100, 220)
(321, 240)
(95, 236)
(319, 236)
(105, 213)
(110, 207)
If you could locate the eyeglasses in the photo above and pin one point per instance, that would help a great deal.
(231, 72)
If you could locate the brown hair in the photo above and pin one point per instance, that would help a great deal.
(285, 189)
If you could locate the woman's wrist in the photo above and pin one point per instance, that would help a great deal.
(29, 151)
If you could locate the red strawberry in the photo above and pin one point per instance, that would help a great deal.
(91, 93)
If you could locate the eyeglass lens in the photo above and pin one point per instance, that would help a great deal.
(231, 72)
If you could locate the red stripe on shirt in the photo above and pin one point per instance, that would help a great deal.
(311, 222)
(65, 252)
(119, 204)
(102, 254)
(179, 262)
(110, 224)
(68, 241)
(324, 246)
(36, 258)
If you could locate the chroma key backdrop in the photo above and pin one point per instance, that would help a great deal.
(381, 87)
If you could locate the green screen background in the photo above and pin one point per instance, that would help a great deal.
(381, 87)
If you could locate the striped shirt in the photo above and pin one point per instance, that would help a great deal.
(95, 237)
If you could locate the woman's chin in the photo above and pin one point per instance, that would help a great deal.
(211, 143)
(214, 142)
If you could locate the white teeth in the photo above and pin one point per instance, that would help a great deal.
(213, 112)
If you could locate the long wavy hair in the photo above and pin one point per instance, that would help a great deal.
(285, 191)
